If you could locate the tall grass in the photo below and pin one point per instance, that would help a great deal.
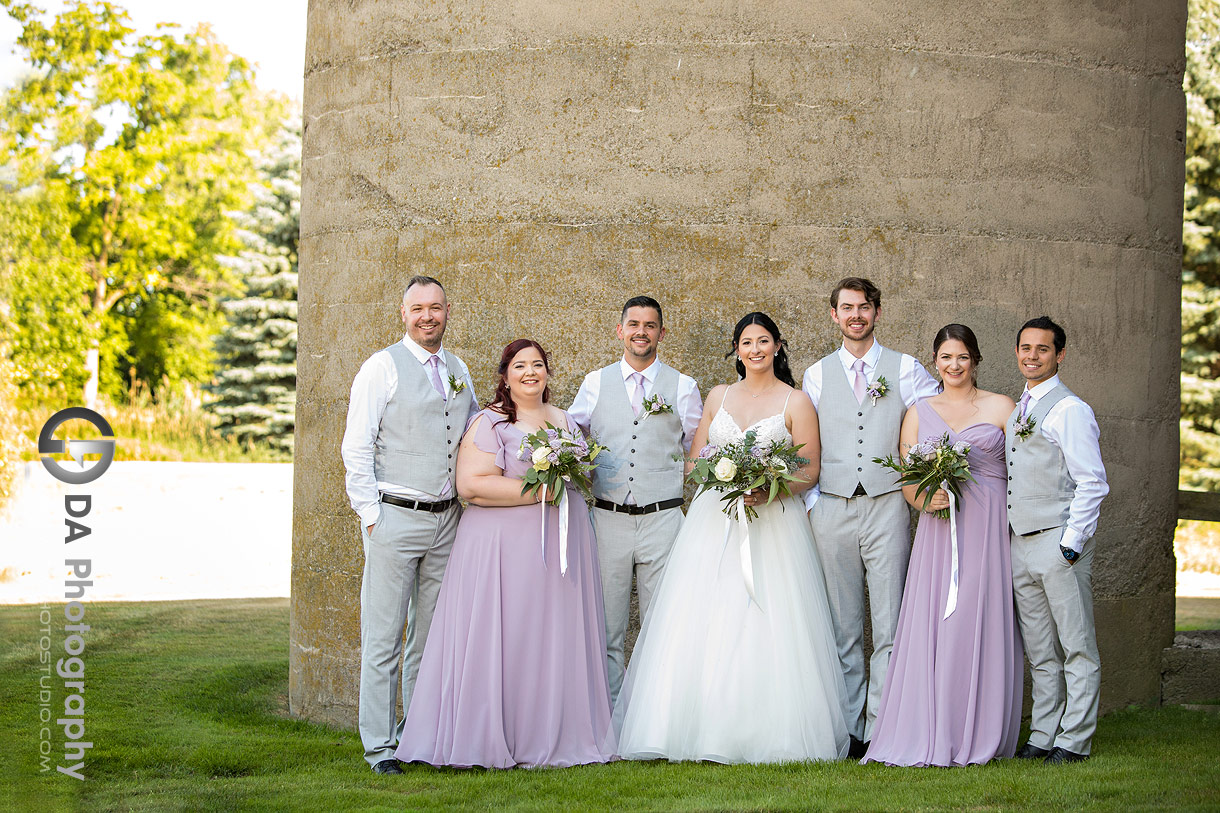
(153, 429)
(1197, 546)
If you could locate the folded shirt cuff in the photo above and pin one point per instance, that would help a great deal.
(1073, 540)
(370, 515)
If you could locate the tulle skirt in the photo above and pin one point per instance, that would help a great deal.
(717, 676)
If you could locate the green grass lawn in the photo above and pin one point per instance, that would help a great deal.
(186, 707)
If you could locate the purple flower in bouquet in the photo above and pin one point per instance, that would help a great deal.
(709, 451)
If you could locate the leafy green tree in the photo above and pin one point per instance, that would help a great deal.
(1200, 428)
(256, 382)
(142, 146)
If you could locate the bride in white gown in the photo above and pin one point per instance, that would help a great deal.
(715, 675)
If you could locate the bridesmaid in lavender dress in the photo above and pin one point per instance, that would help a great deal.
(953, 690)
(514, 671)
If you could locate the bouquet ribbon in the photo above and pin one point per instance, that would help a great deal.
(951, 599)
(563, 529)
(747, 561)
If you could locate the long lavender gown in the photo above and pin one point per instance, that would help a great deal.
(953, 690)
(514, 671)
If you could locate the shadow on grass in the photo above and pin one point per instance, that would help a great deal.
(186, 707)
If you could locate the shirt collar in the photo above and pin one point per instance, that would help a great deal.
(422, 355)
(649, 372)
(870, 358)
(1036, 393)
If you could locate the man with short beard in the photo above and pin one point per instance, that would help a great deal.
(408, 408)
(860, 521)
(638, 482)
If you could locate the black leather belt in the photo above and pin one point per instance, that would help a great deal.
(418, 505)
(636, 510)
(1035, 533)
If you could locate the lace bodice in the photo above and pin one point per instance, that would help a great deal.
(724, 429)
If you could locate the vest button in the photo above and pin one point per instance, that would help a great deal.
(859, 455)
(1010, 463)
(631, 464)
(1010, 507)
(448, 427)
(859, 469)
(635, 423)
(859, 414)
(629, 479)
(1010, 493)
(633, 451)
(860, 427)
(633, 437)
(1014, 448)
(861, 440)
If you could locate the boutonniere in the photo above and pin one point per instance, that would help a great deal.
(456, 385)
(1024, 427)
(877, 389)
(655, 405)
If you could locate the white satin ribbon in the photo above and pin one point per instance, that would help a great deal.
(563, 529)
(747, 561)
(951, 600)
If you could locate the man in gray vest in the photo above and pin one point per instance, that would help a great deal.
(1056, 482)
(646, 413)
(409, 405)
(860, 521)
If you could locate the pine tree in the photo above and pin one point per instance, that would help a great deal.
(1200, 426)
(256, 383)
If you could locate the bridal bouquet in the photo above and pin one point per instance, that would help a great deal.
(557, 454)
(930, 466)
(745, 465)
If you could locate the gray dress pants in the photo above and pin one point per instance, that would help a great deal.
(630, 545)
(404, 561)
(863, 539)
(1055, 611)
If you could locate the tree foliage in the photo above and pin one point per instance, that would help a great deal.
(256, 382)
(134, 151)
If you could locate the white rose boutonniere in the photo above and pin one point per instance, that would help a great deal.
(456, 385)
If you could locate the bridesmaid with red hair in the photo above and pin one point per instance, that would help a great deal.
(514, 671)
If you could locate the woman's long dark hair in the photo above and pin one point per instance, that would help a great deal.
(964, 335)
(782, 372)
(502, 401)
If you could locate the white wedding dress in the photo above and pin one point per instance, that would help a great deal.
(717, 676)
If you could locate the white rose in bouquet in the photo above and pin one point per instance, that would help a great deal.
(726, 470)
(540, 458)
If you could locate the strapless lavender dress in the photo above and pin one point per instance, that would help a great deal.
(953, 690)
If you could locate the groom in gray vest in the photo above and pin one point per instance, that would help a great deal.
(645, 413)
(860, 521)
(1056, 482)
(409, 405)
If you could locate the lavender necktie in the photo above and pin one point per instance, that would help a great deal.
(1024, 403)
(435, 374)
(861, 383)
(637, 396)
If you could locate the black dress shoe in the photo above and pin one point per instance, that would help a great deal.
(1060, 756)
(856, 748)
(1030, 751)
(387, 766)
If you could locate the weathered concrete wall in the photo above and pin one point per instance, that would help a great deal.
(548, 159)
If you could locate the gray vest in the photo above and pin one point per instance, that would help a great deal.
(418, 438)
(639, 457)
(853, 434)
(1040, 490)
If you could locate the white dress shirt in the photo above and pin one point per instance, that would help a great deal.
(914, 382)
(688, 409)
(1071, 425)
(372, 389)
